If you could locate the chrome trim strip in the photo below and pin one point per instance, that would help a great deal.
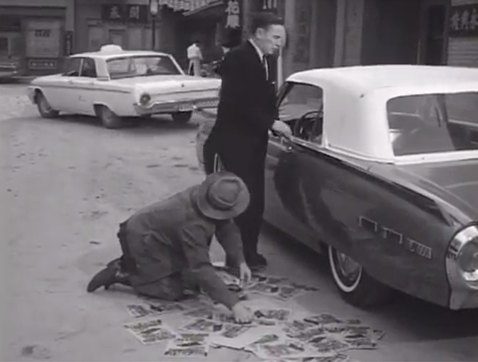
(84, 88)
(175, 106)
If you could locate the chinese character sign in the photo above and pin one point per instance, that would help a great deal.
(125, 13)
(233, 14)
(464, 20)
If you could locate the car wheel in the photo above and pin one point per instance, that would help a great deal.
(182, 117)
(44, 107)
(108, 118)
(355, 285)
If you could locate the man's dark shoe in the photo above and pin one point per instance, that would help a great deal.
(107, 277)
(256, 261)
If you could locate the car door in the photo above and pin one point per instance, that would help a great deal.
(325, 192)
(84, 86)
(60, 91)
(282, 195)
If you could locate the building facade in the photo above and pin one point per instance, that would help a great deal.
(321, 33)
(36, 33)
(463, 33)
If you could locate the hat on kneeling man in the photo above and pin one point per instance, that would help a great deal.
(222, 196)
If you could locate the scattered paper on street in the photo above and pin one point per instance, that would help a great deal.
(203, 325)
(275, 314)
(188, 345)
(140, 310)
(279, 331)
(151, 331)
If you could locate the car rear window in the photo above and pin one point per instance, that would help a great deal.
(430, 123)
(141, 66)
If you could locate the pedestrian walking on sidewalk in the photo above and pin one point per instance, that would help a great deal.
(195, 58)
(165, 245)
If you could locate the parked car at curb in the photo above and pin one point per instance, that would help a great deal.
(381, 171)
(113, 83)
(9, 68)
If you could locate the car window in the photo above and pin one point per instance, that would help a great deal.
(302, 108)
(88, 68)
(432, 123)
(140, 66)
(72, 67)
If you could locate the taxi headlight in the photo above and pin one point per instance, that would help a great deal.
(144, 99)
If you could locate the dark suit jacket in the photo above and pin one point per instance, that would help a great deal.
(247, 99)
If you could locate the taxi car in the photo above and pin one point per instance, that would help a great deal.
(113, 83)
(381, 173)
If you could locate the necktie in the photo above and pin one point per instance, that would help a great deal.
(266, 68)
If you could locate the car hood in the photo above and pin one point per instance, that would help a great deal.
(170, 83)
(454, 183)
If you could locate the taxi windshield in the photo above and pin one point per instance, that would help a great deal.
(140, 66)
(430, 123)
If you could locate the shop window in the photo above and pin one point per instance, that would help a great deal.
(72, 67)
(88, 68)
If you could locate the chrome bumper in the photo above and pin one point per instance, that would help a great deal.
(463, 289)
(176, 106)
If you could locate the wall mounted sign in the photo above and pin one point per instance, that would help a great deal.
(125, 13)
(463, 20)
(42, 64)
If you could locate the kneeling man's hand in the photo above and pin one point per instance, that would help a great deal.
(242, 314)
(244, 274)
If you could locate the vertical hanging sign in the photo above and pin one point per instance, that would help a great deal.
(233, 14)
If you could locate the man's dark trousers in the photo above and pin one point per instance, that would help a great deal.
(246, 158)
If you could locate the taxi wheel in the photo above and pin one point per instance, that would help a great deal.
(44, 107)
(108, 118)
(354, 284)
(182, 117)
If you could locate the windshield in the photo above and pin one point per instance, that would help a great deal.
(141, 66)
(430, 123)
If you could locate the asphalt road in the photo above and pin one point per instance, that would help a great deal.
(65, 184)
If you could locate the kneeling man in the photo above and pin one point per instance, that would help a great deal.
(165, 245)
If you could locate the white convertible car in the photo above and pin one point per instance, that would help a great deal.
(113, 83)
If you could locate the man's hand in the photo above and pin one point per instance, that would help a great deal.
(244, 274)
(281, 128)
(242, 314)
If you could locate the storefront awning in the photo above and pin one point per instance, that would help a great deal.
(189, 5)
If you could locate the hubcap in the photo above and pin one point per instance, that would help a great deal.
(348, 267)
(346, 271)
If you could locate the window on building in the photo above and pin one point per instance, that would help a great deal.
(302, 108)
(88, 68)
(72, 67)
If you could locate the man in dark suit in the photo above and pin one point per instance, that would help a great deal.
(246, 113)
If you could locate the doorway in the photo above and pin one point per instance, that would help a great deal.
(433, 32)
